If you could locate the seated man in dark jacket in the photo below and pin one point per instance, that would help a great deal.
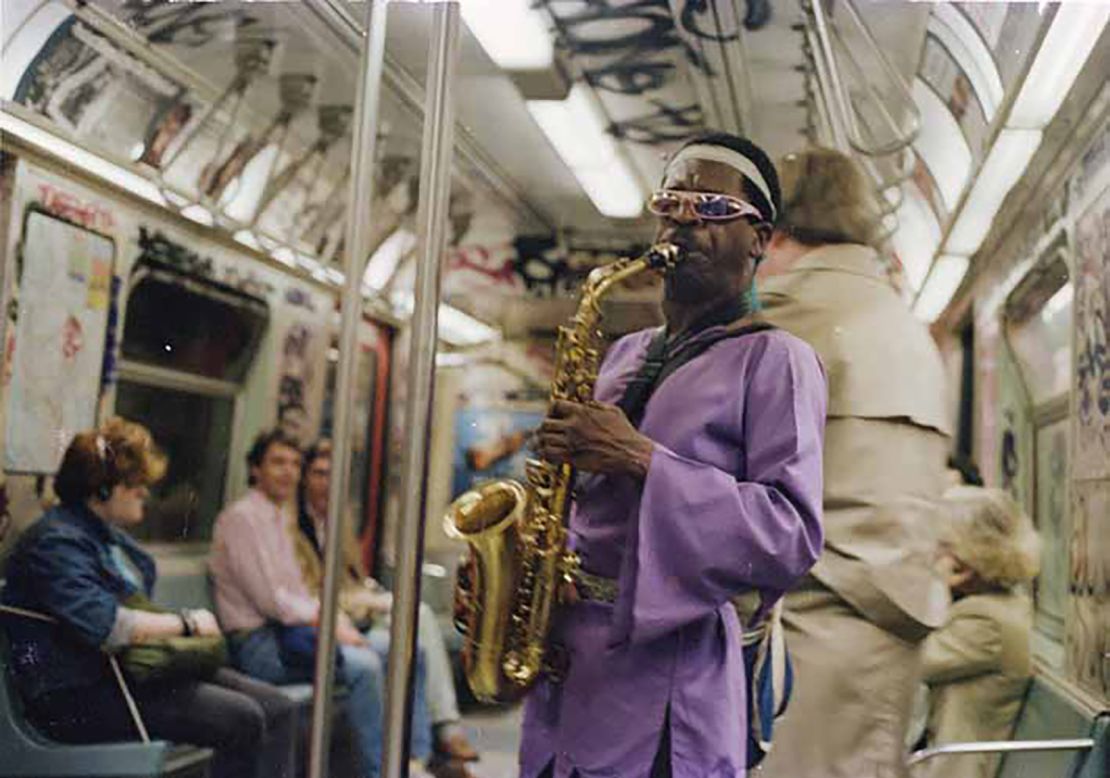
(77, 567)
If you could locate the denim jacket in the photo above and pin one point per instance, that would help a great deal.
(62, 567)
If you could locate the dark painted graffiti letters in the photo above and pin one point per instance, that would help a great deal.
(154, 246)
(630, 48)
(630, 76)
(299, 298)
(604, 28)
(186, 24)
(666, 124)
(701, 18)
(540, 264)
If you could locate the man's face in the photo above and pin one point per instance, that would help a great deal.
(279, 473)
(721, 255)
(317, 482)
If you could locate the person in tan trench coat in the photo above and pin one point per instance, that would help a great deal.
(978, 665)
(856, 623)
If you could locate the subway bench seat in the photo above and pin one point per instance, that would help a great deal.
(1057, 735)
(25, 753)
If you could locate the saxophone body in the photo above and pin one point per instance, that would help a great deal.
(508, 588)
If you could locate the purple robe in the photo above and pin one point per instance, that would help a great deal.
(731, 503)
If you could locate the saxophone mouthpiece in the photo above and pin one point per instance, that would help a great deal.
(664, 257)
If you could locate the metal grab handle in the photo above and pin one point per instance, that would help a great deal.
(893, 180)
(840, 102)
(1000, 747)
(838, 136)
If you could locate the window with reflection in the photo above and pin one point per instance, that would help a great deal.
(195, 326)
(195, 431)
(188, 343)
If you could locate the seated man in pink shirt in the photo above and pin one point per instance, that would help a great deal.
(261, 599)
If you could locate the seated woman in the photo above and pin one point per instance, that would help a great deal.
(77, 566)
(368, 605)
(978, 664)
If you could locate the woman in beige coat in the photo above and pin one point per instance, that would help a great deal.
(978, 664)
(855, 625)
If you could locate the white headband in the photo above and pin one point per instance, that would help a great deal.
(733, 159)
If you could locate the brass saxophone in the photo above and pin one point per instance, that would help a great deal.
(507, 589)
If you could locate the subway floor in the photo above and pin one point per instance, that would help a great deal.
(496, 733)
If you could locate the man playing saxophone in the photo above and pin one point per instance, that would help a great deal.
(712, 489)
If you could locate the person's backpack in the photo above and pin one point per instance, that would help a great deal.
(770, 676)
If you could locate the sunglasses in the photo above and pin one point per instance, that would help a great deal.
(709, 206)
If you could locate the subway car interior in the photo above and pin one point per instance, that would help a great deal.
(376, 223)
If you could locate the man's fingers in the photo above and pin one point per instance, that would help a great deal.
(554, 450)
(553, 426)
(562, 409)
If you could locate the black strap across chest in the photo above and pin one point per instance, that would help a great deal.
(658, 364)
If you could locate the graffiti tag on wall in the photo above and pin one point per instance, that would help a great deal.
(155, 246)
(535, 264)
(70, 207)
(1092, 341)
(635, 48)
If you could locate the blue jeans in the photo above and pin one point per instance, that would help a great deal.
(258, 654)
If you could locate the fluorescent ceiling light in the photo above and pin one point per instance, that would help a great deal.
(285, 256)
(383, 262)
(917, 236)
(241, 199)
(248, 239)
(1059, 302)
(1003, 168)
(74, 155)
(577, 129)
(460, 329)
(941, 144)
(959, 36)
(943, 281)
(1075, 30)
(451, 359)
(455, 327)
(199, 214)
(512, 32)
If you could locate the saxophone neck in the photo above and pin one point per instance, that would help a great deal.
(661, 257)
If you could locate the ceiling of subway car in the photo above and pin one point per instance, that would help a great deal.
(242, 111)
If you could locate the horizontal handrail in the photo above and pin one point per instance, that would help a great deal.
(1000, 747)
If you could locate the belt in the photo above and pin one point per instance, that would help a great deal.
(596, 588)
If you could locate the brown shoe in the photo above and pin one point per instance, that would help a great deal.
(440, 767)
(456, 747)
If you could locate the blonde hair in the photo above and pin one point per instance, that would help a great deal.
(990, 533)
(826, 199)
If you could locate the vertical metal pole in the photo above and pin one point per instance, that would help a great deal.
(435, 189)
(365, 135)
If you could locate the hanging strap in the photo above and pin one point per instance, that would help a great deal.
(128, 699)
(658, 365)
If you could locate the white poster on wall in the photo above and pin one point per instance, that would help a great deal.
(64, 291)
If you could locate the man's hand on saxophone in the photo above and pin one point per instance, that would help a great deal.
(595, 437)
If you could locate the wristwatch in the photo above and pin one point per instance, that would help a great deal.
(188, 623)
